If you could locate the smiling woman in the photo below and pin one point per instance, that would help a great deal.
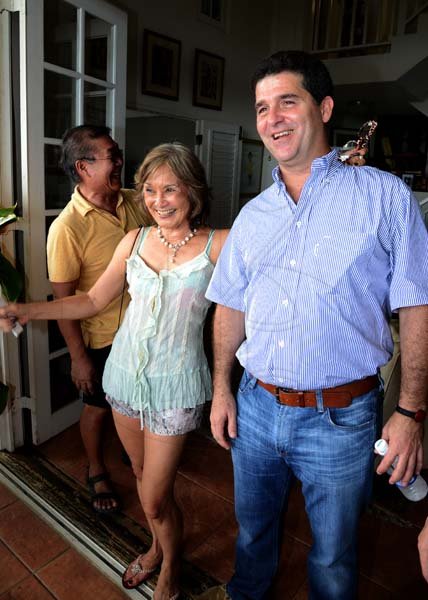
(156, 376)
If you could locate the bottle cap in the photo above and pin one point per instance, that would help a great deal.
(381, 447)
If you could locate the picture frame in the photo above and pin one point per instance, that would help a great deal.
(408, 179)
(251, 168)
(208, 80)
(161, 65)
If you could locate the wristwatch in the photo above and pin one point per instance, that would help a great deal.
(419, 416)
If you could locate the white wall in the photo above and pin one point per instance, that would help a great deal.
(252, 32)
(143, 133)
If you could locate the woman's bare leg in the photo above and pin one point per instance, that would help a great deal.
(162, 457)
(155, 460)
(132, 437)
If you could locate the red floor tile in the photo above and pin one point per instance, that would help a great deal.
(6, 496)
(368, 590)
(296, 521)
(216, 554)
(291, 572)
(28, 589)
(70, 576)
(66, 452)
(203, 511)
(389, 557)
(205, 462)
(303, 592)
(11, 569)
(30, 538)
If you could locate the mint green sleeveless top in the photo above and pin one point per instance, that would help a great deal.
(157, 360)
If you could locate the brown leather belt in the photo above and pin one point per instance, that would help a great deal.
(336, 397)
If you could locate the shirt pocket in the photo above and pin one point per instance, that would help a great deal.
(339, 258)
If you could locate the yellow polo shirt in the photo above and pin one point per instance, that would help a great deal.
(81, 242)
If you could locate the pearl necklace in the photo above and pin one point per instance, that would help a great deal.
(175, 247)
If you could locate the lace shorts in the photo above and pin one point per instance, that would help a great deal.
(172, 421)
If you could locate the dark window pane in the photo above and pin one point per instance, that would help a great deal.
(216, 9)
(59, 104)
(97, 39)
(63, 391)
(60, 33)
(57, 185)
(56, 341)
(206, 7)
(95, 104)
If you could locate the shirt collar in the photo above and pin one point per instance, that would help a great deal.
(83, 206)
(327, 164)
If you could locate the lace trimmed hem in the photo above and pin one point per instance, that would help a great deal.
(172, 421)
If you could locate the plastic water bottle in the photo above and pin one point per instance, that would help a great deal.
(416, 489)
(17, 328)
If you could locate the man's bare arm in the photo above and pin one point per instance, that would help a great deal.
(423, 550)
(82, 369)
(403, 434)
(228, 334)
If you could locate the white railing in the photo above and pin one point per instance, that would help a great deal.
(356, 27)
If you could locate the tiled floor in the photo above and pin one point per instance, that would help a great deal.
(38, 564)
(389, 566)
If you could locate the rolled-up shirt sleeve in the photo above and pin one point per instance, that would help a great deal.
(229, 280)
(409, 253)
(63, 253)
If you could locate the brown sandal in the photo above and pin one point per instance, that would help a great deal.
(92, 481)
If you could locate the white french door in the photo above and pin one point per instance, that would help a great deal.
(71, 56)
(219, 151)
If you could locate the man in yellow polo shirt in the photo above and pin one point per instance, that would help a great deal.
(81, 242)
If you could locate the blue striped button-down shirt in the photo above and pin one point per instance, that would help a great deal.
(317, 280)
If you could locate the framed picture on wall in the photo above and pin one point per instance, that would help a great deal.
(161, 65)
(208, 80)
(408, 179)
(251, 168)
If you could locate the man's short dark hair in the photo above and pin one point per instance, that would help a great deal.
(77, 143)
(316, 78)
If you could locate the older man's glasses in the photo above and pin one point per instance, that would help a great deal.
(115, 156)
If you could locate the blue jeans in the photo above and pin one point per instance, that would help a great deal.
(331, 452)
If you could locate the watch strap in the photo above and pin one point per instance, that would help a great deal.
(418, 416)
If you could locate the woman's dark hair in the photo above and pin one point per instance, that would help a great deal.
(316, 78)
(77, 143)
(187, 167)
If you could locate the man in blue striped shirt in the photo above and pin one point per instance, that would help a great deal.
(305, 285)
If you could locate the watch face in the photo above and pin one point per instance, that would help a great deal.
(420, 416)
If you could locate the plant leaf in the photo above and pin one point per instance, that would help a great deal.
(4, 393)
(10, 280)
(7, 210)
(7, 215)
(7, 220)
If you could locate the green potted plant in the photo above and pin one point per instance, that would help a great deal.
(10, 283)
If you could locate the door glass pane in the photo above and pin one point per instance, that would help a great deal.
(57, 185)
(60, 93)
(56, 341)
(97, 38)
(62, 388)
(60, 24)
(95, 104)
